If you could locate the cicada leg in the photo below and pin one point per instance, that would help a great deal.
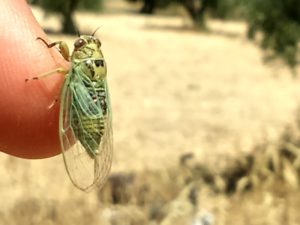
(53, 103)
(56, 70)
(62, 47)
(64, 50)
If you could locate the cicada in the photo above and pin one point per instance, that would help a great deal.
(85, 122)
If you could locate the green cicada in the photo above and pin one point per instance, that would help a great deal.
(85, 123)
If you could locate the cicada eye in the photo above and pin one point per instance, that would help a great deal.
(79, 43)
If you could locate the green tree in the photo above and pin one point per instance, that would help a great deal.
(279, 22)
(197, 9)
(67, 8)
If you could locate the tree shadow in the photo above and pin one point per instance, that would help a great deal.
(194, 29)
(51, 31)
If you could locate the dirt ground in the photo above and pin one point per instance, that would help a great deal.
(174, 91)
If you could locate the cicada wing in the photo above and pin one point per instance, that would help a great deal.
(105, 151)
(85, 170)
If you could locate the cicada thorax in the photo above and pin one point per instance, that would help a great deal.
(88, 55)
(94, 68)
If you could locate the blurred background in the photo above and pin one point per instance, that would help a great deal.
(205, 100)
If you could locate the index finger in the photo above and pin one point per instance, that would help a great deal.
(29, 129)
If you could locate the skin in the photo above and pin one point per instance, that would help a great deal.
(28, 127)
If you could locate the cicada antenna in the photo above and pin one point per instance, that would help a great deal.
(96, 31)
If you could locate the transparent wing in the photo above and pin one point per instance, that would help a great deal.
(86, 169)
(106, 145)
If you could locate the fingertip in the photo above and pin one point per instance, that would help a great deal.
(28, 128)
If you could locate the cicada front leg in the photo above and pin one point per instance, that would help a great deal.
(62, 47)
(64, 50)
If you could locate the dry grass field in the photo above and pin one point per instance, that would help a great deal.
(204, 132)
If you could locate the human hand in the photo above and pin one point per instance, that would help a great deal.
(28, 128)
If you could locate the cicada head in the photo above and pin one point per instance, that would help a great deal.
(88, 56)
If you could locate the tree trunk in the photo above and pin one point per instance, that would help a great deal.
(69, 26)
(148, 7)
(196, 10)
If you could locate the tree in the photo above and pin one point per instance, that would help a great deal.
(148, 7)
(67, 8)
(279, 22)
(195, 8)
